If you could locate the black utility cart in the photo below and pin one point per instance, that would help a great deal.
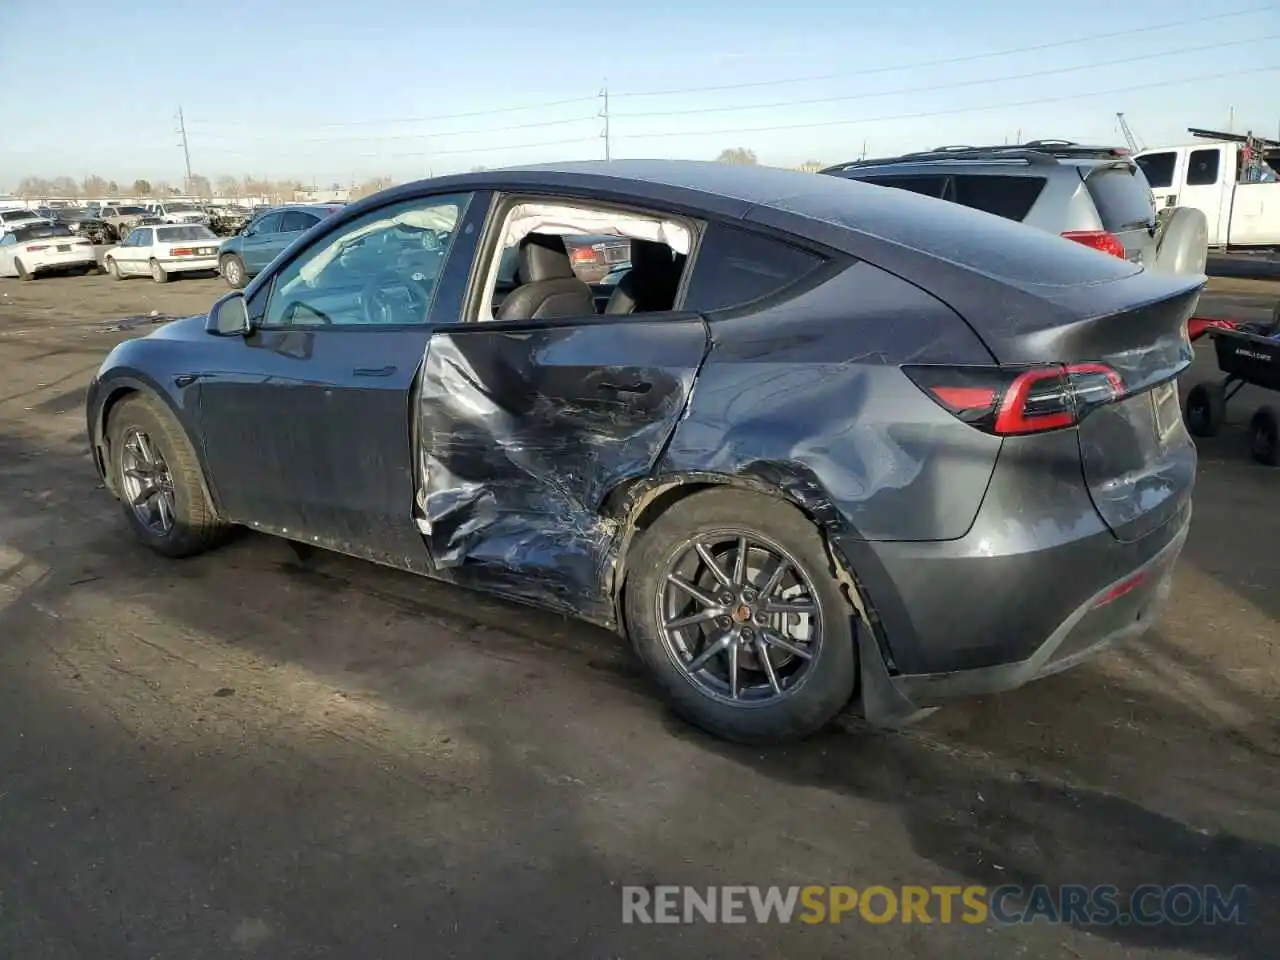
(1250, 353)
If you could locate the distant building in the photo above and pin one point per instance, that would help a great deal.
(321, 196)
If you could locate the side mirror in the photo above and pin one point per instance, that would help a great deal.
(229, 317)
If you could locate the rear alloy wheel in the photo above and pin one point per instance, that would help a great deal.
(158, 273)
(23, 272)
(113, 268)
(1264, 434)
(1206, 409)
(157, 477)
(732, 606)
(233, 271)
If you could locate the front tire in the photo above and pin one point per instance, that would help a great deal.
(743, 648)
(233, 271)
(158, 273)
(158, 479)
(23, 272)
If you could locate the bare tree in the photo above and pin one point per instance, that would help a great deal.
(199, 186)
(739, 155)
(33, 187)
(94, 186)
(64, 187)
(371, 186)
(228, 186)
(142, 188)
(113, 187)
(811, 166)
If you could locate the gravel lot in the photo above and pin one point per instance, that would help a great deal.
(240, 756)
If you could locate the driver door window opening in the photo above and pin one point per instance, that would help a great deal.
(379, 270)
(562, 259)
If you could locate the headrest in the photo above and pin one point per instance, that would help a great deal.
(543, 257)
(650, 256)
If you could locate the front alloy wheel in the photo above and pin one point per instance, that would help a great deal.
(146, 483)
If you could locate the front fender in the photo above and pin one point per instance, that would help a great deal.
(117, 380)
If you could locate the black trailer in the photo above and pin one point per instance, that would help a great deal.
(1247, 354)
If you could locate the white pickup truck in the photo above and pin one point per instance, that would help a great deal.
(1234, 180)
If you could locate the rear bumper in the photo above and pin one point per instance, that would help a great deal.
(63, 261)
(1120, 610)
(189, 264)
(1019, 596)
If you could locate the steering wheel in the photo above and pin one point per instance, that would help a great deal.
(379, 308)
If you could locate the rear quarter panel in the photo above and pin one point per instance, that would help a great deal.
(805, 393)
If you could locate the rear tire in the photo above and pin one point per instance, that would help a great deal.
(23, 272)
(1206, 409)
(194, 526)
(1264, 434)
(812, 688)
(233, 271)
(158, 273)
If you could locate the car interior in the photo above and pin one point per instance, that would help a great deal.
(534, 276)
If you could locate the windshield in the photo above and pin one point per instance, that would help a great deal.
(171, 234)
(182, 208)
(13, 216)
(41, 231)
(130, 211)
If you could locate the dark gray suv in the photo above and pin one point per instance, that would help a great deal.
(1097, 196)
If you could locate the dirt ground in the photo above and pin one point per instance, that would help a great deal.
(237, 755)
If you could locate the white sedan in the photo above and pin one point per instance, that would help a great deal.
(42, 247)
(12, 219)
(160, 251)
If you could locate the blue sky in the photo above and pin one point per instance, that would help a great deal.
(335, 91)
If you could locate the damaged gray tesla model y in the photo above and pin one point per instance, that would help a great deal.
(825, 443)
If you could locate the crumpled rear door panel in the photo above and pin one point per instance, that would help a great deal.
(523, 433)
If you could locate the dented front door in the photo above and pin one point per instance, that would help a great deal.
(525, 428)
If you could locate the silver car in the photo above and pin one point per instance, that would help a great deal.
(1097, 196)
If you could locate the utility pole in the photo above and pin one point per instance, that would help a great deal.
(186, 153)
(604, 115)
(864, 149)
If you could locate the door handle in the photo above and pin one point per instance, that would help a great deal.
(373, 371)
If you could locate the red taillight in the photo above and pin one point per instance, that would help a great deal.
(1121, 588)
(37, 246)
(181, 252)
(583, 255)
(1012, 401)
(1099, 240)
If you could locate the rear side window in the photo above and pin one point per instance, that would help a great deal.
(1008, 197)
(1158, 168)
(929, 186)
(294, 221)
(737, 266)
(1202, 169)
(1122, 196)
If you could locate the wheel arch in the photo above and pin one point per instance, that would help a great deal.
(116, 391)
(635, 504)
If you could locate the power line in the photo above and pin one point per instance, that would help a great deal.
(1180, 81)
(431, 119)
(414, 136)
(970, 58)
(437, 153)
(944, 86)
